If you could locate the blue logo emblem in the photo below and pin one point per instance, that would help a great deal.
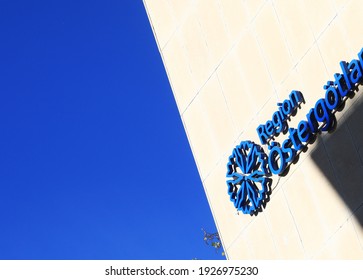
(249, 185)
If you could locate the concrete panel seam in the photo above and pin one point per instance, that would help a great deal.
(326, 242)
(282, 31)
(225, 100)
(294, 221)
(355, 227)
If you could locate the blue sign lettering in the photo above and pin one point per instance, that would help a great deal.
(319, 119)
(256, 166)
(278, 123)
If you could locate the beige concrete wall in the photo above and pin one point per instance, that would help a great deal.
(229, 62)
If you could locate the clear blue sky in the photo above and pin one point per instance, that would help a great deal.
(94, 160)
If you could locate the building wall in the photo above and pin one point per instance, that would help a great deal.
(229, 62)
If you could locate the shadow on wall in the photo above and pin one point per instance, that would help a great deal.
(339, 155)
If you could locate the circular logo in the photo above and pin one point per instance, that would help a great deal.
(247, 177)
